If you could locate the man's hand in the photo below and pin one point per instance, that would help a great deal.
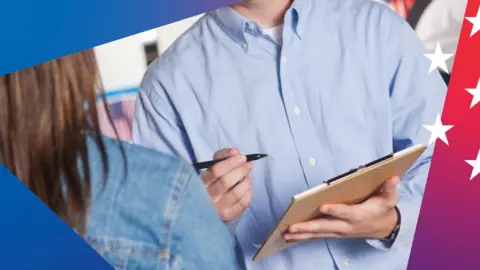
(229, 184)
(373, 219)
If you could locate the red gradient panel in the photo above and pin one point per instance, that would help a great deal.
(448, 231)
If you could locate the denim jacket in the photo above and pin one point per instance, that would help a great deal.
(157, 217)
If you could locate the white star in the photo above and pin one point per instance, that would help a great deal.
(476, 166)
(476, 23)
(475, 93)
(438, 131)
(438, 58)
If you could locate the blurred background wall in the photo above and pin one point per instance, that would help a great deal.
(122, 64)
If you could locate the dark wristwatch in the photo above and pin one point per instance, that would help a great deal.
(395, 231)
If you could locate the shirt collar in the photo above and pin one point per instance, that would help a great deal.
(299, 11)
(236, 26)
(232, 23)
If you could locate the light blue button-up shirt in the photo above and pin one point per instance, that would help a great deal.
(348, 85)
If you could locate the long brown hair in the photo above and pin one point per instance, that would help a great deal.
(47, 114)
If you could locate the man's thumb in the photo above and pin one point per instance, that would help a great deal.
(390, 187)
(225, 153)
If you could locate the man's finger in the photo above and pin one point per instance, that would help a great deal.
(222, 168)
(235, 210)
(207, 175)
(322, 225)
(223, 184)
(226, 152)
(340, 211)
(389, 191)
(235, 194)
(301, 237)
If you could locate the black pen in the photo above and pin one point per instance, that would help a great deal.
(208, 164)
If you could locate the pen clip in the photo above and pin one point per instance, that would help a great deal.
(328, 182)
(359, 168)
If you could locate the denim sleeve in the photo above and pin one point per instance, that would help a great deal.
(416, 98)
(200, 240)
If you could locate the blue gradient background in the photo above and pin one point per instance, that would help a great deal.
(33, 32)
(34, 238)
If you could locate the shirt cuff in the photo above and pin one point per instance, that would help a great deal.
(380, 243)
(409, 209)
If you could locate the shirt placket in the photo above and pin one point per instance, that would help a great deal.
(301, 127)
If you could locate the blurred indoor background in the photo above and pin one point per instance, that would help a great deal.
(122, 64)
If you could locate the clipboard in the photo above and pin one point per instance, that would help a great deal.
(352, 187)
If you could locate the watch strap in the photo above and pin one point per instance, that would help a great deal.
(396, 230)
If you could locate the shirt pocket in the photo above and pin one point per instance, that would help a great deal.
(125, 254)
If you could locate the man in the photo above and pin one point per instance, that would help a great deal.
(320, 86)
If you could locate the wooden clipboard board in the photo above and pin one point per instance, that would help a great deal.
(349, 188)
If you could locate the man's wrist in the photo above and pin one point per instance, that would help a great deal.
(394, 231)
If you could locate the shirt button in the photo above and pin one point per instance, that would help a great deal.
(284, 60)
(297, 110)
(245, 46)
(251, 25)
(312, 161)
(346, 261)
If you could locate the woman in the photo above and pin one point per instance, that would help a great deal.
(138, 208)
